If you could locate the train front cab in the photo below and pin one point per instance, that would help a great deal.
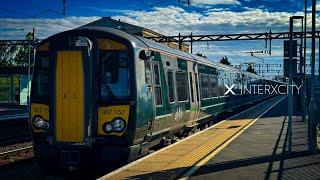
(82, 99)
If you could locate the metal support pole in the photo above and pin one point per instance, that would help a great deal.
(28, 85)
(290, 96)
(11, 89)
(300, 96)
(312, 116)
(270, 43)
(191, 42)
(304, 90)
(180, 46)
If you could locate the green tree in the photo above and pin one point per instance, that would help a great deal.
(201, 55)
(7, 54)
(22, 56)
(16, 55)
(225, 60)
(251, 69)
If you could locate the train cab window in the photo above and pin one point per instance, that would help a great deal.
(40, 86)
(214, 86)
(182, 86)
(114, 73)
(157, 85)
(171, 86)
(205, 86)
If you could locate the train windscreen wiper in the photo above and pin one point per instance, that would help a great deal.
(108, 90)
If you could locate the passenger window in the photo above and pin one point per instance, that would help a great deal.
(157, 74)
(205, 90)
(148, 73)
(191, 86)
(182, 86)
(197, 90)
(225, 82)
(171, 86)
(214, 86)
(157, 86)
(221, 87)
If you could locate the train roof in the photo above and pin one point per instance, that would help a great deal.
(158, 46)
(138, 41)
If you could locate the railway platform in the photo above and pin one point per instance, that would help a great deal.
(249, 145)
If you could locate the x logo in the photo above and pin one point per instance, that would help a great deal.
(229, 90)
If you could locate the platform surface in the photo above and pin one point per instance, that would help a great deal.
(175, 160)
(260, 152)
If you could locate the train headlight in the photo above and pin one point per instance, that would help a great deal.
(116, 125)
(107, 128)
(39, 123)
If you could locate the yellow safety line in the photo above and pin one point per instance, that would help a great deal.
(196, 167)
(111, 174)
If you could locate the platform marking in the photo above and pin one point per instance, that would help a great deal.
(109, 175)
(196, 167)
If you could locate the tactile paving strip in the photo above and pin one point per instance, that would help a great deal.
(170, 162)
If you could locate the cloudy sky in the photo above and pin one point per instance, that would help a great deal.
(168, 17)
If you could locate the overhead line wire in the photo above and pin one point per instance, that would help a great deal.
(32, 16)
(221, 47)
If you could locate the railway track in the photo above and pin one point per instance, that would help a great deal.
(15, 153)
(16, 150)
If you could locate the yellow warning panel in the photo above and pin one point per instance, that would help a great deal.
(107, 114)
(39, 110)
(108, 44)
(43, 47)
(69, 97)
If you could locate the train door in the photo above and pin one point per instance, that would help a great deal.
(70, 93)
(155, 87)
(150, 83)
(193, 92)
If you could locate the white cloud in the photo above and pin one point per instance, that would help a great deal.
(210, 22)
(214, 2)
(43, 27)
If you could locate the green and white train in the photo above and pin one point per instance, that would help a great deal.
(103, 95)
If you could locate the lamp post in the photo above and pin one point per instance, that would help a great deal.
(29, 65)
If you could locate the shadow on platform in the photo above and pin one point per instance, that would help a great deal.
(275, 162)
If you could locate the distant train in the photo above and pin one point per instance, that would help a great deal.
(102, 95)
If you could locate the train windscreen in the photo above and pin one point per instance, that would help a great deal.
(40, 84)
(114, 57)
